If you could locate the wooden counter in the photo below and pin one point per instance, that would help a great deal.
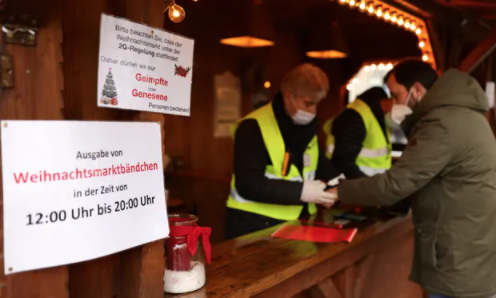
(375, 265)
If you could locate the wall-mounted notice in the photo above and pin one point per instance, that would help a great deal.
(227, 108)
(75, 191)
(144, 68)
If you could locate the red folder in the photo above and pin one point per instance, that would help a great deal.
(314, 234)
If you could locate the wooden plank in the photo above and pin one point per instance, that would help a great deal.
(479, 53)
(344, 281)
(325, 289)
(363, 271)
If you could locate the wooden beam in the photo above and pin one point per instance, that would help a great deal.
(479, 53)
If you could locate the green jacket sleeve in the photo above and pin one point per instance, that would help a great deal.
(428, 152)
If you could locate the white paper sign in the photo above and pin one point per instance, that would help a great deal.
(491, 93)
(144, 68)
(75, 191)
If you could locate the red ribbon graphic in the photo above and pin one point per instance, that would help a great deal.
(192, 234)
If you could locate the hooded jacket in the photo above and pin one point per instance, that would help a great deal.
(448, 172)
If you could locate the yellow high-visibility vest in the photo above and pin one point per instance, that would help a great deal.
(276, 148)
(375, 156)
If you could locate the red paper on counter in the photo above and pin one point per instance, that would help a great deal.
(314, 234)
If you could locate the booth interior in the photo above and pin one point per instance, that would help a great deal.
(56, 79)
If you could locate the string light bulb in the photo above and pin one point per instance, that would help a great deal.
(425, 57)
(373, 67)
(381, 66)
(407, 24)
(343, 1)
(349, 86)
(413, 26)
(393, 17)
(418, 31)
(367, 68)
(371, 8)
(363, 6)
(176, 13)
(352, 3)
(354, 81)
(400, 21)
(378, 11)
(387, 16)
(389, 66)
(421, 44)
(267, 84)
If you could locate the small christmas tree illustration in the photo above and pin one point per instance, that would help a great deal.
(109, 92)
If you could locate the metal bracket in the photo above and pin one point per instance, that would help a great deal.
(20, 29)
(6, 71)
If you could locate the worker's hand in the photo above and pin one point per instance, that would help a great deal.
(334, 192)
(313, 192)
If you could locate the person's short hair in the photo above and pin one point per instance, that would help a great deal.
(306, 79)
(374, 93)
(409, 71)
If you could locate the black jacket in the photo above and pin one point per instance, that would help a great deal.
(251, 158)
(349, 132)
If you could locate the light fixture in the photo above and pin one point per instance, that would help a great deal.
(332, 47)
(389, 66)
(387, 16)
(352, 3)
(354, 81)
(425, 57)
(349, 86)
(329, 54)
(418, 31)
(367, 68)
(371, 8)
(253, 30)
(407, 24)
(363, 6)
(381, 66)
(400, 21)
(378, 11)
(267, 84)
(393, 17)
(176, 12)
(421, 44)
(413, 26)
(373, 67)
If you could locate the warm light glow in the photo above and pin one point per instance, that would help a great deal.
(343, 1)
(381, 66)
(354, 81)
(371, 8)
(389, 66)
(352, 3)
(393, 17)
(418, 31)
(247, 42)
(373, 67)
(378, 11)
(176, 13)
(329, 54)
(349, 86)
(421, 44)
(400, 21)
(362, 5)
(413, 26)
(267, 84)
(367, 68)
(425, 57)
(407, 24)
(387, 16)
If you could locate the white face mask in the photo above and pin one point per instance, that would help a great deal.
(301, 117)
(399, 112)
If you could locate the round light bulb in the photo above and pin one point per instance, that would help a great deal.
(363, 6)
(413, 26)
(373, 67)
(389, 66)
(425, 57)
(352, 3)
(407, 24)
(343, 1)
(421, 44)
(381, 66)
(349, 86)
(267, 84)
(367, 68)
(400, 21)
(418, 31)
(354, 81)
(371, 8)
(393, 17)
(387, 16)
(176, 13)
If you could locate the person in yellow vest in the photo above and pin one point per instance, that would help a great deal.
(278, 167)
(358, 139)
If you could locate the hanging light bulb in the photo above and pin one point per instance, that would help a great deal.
(421, 44)
(381, 66)
(413, 26)
(387, 16)
(267, 84)
(354, 81)
(418, 31)
(367, 68)
(363, 6)
(349, 86)
(343, 1)
(400, 21)
(352, 3)
(176, 13)
(389, 66)
(378, 11)
(393, 17)
(371, 8)
(373, 67)
(425, 57)
(407, 24)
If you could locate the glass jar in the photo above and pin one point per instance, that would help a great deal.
(185, 270)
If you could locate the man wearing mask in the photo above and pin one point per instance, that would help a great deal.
(448, 172)
(277, 163)
(358, 140)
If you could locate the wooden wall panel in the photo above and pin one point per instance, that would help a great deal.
(36, 95)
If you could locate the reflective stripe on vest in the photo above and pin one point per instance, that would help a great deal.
(274, 143)
(375, 156)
